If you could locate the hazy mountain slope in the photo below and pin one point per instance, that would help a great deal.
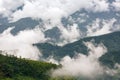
(84, 20)
(111, 41)
(22, 24)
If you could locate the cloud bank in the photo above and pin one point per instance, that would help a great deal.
(83, 65)
(116, 5)
(21, 45)
(49, 10)
(8, 7)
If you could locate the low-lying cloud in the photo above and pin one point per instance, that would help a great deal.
(101, 27)
(83, 65)
(21, 45)
(69, 34)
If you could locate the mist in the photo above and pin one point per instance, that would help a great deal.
(86, 66)
(21, 45)
(52, 12)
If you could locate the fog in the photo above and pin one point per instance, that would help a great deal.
(21, 45)
(85, 66)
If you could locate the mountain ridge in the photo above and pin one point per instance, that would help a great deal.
(111, 41)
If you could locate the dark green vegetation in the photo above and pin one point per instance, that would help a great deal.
(12, 68)
(111, 41)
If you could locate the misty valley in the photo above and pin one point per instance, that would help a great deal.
(59, 39)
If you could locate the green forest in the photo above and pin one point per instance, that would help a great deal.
(12, 68)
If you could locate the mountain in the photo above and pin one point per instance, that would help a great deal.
(12, 68)
(35, 29)
(22, 24)
(111, 41)
(82, 18)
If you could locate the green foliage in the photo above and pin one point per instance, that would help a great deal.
(12, 68)
(63, 78)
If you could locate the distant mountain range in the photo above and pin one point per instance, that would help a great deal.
(82, 18)
(111, 41)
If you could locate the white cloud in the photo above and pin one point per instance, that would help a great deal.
(52, 60)
(52, 10)
(100, 5)
(101, 27)
(70, 33)
(20, 45)
(8, 6)
(51, 13)
(116, 5)
(83, 65)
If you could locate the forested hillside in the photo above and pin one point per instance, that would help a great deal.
(12, 68)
